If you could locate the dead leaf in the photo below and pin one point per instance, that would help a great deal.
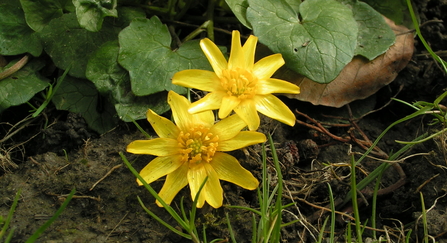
(360, 78)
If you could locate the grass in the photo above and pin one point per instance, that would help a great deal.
(6, 222)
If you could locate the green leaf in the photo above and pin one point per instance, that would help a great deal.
(80, 96)
(239, 8)
(38, 13)
(16, 37)
(91, 13)
(127, 14)
(113, 81)
(375, 35)
(71, 46)
(318, 42)
(22, 85)
(395, 10)
(146, 53)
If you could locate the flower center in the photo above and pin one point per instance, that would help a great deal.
(239, 82)
(198, 145)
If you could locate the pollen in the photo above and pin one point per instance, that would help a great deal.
(239, 82)
(197, 145)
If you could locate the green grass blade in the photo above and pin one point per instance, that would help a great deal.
(161, 221)
(355, 206)
(230, 229)
(332, 203)
(168, 208)
(52, 219)
(51, 94)
(320, 235)
(10, 214)
(276, 233)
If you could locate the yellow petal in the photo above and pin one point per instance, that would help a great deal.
(159, 167)
(184, 119)
(267, 66)
(249, 51)
(197, 79)
(162, 126)
(273, 107)
(228, 127)
(273, 85)
(175, 181)
(247, 112)
(227, 105)
(214, 56)
(237, 57)
(157, 147)
(243, 139)
(228, 169)
(211, 101)
(213, 190)
(196, 176)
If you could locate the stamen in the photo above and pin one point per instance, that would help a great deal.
(200, 147)
(239, 82)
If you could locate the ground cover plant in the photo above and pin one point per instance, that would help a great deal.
(82, 82)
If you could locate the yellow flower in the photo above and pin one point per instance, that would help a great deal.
(192, 150)
(240, 85)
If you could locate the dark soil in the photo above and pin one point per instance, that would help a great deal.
(46, 163)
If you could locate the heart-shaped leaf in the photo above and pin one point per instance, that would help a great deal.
(16, 37)
(316, 42)
(145, 51)
(38, 13)
(360, 78)
(113, 81)
(70, 46)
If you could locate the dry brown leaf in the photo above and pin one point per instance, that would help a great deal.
(360, 78)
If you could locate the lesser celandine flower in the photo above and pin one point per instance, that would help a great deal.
(193, 149)
(239, 84)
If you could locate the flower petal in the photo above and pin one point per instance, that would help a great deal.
(267, 66)
(273, 85)
(229, 102)
(162, 126)
(211, 101)
(213, 190)
(249, 49)
(214, 56)
(159, 167)
(197, 79)
(157, 147)
(228, 169)
(184, 119)
(242, 140)
(247, 112)
(228, 127)
(273, 107)
(196, 176)
(237, 57)
(175, 181)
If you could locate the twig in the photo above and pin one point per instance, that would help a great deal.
(116, 226)
(107, 174)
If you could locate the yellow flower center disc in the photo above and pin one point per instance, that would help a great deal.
(198, 145)
(239, 82)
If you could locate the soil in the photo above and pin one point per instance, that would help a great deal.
(47, 162)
